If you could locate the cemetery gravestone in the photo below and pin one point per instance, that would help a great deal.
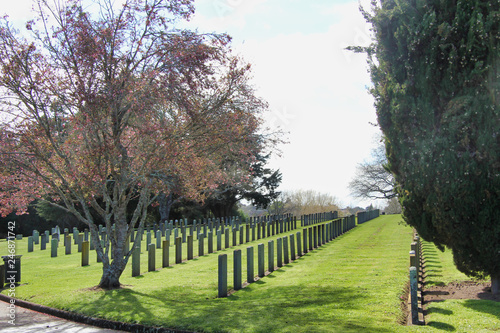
(222, 276)
(53, 247)
(178, 250)
(151, 258)
(250, 271)
(166, 259)
(260, 260)
(189, 247)
(270, 256)
(237, 269)
(85, 253)
(136, 262)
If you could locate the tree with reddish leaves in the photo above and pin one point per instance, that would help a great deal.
(106, 105)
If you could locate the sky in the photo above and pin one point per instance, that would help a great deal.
(316, 90)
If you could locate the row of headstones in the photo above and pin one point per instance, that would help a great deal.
(314, 237)
(256, 231)
(43, 240)
(368, 215)
(216, 223)
(79, 239)
(169, 228)
(316, 218)
(248, 232)
(415, 277)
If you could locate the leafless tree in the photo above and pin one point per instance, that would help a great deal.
(372, 180)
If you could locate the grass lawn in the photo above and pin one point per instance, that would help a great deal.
(352, 284)
(456, 315)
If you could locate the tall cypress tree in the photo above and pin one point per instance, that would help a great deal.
(435, 70)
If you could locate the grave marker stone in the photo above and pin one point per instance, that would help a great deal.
(43, 241)
(260, 259)
(304, 240)
(270, 256)
(178, 250)
(237, 269)
(166, 259)
(299, 247)
(67, 243)
(30, 244)
(234, 237)
(226, 238)
(323, 234)
(36, 237)
(190, 247)
(85, 253)
(136, 262)
(53, 247)
(315, 236)
(250, 271)
(414, 295)
(151, 258)
(80, 241)
(210, 242)
(183, 232)
(286, 259)
(310, 231)
(158, 239)
(222, 290)
(201, 245)
(279, 245)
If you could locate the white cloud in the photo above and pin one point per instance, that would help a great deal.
(223, 15)
(322, 87)
(19, 11)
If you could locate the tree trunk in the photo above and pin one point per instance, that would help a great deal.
(111, 272)
(495, 284)
(111, 277)
(165, 203)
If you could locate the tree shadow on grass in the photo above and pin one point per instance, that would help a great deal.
(252, 309)
(485, 306)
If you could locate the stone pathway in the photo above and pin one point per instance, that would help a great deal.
(28, 321)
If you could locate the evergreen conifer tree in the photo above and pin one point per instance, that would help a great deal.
(436, 75)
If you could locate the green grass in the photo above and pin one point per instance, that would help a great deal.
(440, 269)
(352, 284)
(455, 315)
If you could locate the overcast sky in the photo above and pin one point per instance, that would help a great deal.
(316, 90)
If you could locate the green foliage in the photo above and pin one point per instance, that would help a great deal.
(25, 223)
(437, 90)
(260, 191)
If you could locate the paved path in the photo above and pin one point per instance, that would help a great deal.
(28, 321)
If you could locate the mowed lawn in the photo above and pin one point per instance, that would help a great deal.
(351, 284)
